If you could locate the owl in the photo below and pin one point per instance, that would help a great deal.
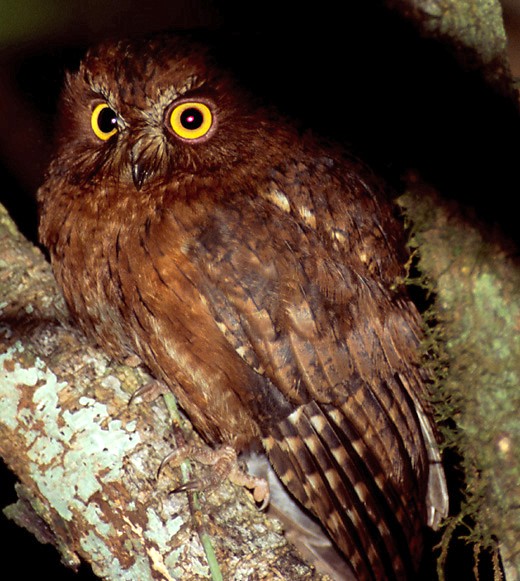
(255, 270)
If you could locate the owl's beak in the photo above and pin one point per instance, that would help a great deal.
(139, 174)
(145, 159)
(139, 167)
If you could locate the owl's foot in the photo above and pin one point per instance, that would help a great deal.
(132, 361)
(225, 465)
(149, 391)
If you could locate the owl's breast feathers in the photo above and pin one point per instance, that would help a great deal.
(271, 312)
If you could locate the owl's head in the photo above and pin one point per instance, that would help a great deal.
(152, 111)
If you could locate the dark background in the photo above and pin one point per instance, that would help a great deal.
(359, 74)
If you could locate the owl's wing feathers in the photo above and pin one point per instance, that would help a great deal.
(336, 345)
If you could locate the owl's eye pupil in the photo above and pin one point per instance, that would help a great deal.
(191, 121)
(191, 118)
(104, 121)
(107, 120)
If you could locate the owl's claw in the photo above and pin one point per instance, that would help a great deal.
(132, 361)
(225, 465)
(148, 392)
(190, 486)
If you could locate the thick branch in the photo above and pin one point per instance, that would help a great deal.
(476, 280)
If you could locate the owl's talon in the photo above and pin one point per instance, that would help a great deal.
(225, 465)
(258, 485)
(190, 486)
(132, 361)
(176, 458)
(148, 392)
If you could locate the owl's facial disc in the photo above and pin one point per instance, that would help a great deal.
(145, 138)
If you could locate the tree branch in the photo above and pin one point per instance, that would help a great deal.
(475, 277)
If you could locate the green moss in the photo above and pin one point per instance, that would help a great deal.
(476, 343)
(476, 23)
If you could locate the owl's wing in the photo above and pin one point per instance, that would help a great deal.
(355, 445)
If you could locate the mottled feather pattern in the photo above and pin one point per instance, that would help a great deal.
(256, 272)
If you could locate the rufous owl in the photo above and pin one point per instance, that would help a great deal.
(255, 270)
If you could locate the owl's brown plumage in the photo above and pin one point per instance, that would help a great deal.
(254, 271)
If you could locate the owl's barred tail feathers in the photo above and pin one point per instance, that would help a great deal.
(324, 463)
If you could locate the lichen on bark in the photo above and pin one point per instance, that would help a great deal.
(475, 277)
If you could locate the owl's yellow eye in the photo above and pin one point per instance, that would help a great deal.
(191, 120)
(103, 121)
